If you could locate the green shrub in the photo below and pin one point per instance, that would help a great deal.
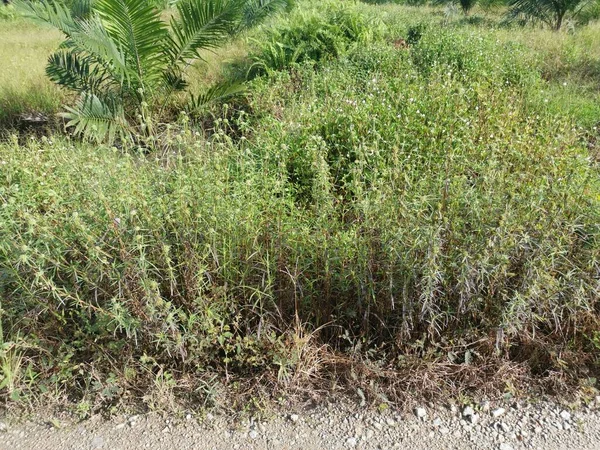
(7, 12)
(314, 35)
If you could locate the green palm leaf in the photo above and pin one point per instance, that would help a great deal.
(201, 25)
(74, 71)
(48, 13)
(551, 12)
(91, 38)
(99, 119)
(138, 31)
(217, 92)
(255, 11)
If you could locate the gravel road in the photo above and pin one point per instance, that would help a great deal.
(500, 426)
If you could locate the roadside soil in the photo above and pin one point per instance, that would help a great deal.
(498, 426)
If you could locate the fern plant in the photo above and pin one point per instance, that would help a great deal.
(125, 61)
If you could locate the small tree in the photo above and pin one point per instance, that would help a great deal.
(125, 61)
(550, 12)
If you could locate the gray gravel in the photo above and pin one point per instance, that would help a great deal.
(337, 426)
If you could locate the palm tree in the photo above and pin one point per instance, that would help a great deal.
(550, 12)
(125, 61)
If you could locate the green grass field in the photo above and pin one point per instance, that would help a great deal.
(405, 204)
(24, 88)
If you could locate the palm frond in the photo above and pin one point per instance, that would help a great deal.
(526, 10)
(217, 92)
(138, 31)
(55, 14)
(256, 11)
(551, 12)
(173, 81)
(201, 24)
(74, 71)
(92, 39)
(82, 9)
(97, 119)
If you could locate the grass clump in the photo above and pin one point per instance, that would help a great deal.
(315, 34)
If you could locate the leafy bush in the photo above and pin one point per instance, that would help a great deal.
(314, 35)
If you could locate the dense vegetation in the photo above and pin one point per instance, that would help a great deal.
(400, 200)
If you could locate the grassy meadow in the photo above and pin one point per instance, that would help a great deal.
(403, 202)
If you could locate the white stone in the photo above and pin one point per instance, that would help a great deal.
(253, 434)
(294, 418)
(565, 415)
(421, 413)
(437, 422)
(468, 411)
(351, 442)
(474, 419)
(498, 412)
(505, 446)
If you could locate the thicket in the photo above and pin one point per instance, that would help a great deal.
(396, 210)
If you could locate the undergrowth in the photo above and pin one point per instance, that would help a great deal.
(404, 217)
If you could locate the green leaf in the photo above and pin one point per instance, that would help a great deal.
(201, 25)
(55, 14)
(73, 71)
(217, 92)
(138, 31)
(96, 118)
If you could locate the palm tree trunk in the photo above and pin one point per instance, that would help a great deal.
(559, 20)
